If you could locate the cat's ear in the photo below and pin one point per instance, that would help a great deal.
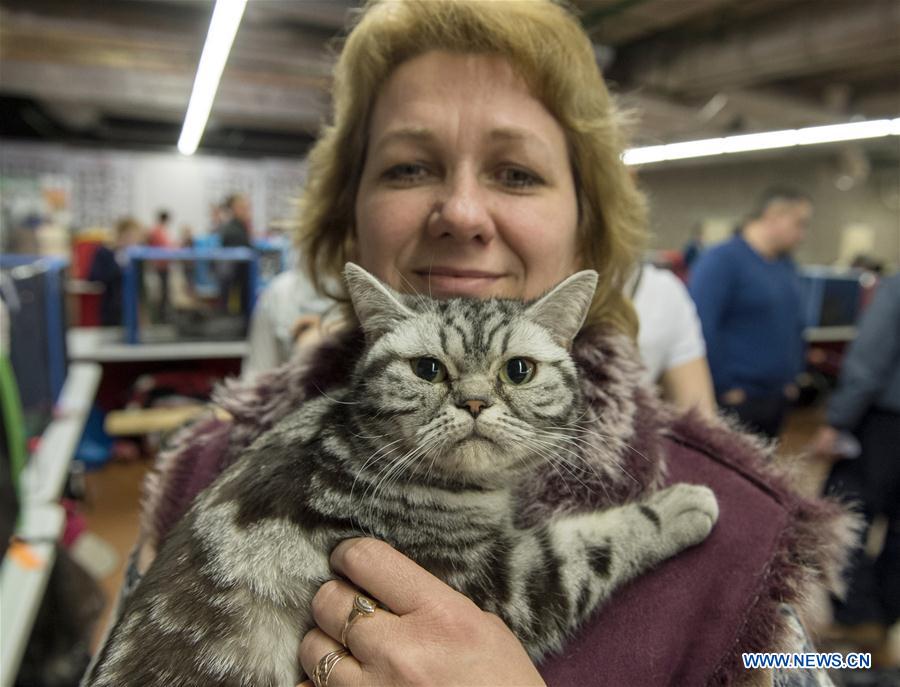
(564, 308)
(377, 307)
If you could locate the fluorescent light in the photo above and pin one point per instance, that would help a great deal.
(223, 26)
(767, 140)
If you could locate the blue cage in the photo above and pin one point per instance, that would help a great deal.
(35, 298)
(222, 287)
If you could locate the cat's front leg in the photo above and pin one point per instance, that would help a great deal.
(574, 563)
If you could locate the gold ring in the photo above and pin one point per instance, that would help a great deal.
(326, 664)
(362, 606)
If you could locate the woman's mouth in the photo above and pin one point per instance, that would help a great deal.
(445, 282)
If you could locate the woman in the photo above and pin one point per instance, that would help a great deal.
(671, 341)
(474, 152)
(106, 268)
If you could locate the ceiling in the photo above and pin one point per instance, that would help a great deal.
(119, 72)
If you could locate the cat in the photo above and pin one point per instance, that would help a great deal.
(452, 403)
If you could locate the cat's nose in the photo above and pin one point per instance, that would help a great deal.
(475, 405)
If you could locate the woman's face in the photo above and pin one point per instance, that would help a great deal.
(467, 188)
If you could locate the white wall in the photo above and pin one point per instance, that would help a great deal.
(105, 185)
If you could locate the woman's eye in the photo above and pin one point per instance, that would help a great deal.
(406, 172)
(429, 369)
(515, 177)
(517, 371)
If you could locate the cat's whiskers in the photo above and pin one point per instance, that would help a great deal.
(430, 266)
(574, 436)
(547, 450)
(634, 450)
(376, 455)
(411, 285)
(433, 459)
(607, 439)
(547, 437)
(373, 436)
(373, 485)
(394, 467)
(584, 443)
(586, 466)
(391, 474)
(334, 400)
(574, 433)
(610, 441)
(552, 460)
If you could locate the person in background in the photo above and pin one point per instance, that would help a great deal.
(159, 234)
(693, 247)
(670, 339)
(285, 316)
(186, 236)
(866, 405)
(159, 237)
(236, 231)
(218, 215)
(106, 268)
(747, 293)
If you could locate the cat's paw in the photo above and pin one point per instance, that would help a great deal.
(683, 514)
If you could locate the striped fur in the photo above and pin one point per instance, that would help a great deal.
(394, 456)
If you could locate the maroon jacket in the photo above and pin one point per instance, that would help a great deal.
(685, 623)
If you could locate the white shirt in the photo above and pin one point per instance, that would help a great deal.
(670, 333)
(271, 338)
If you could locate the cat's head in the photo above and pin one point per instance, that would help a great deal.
(468, 391)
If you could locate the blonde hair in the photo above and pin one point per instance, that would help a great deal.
(546, 45)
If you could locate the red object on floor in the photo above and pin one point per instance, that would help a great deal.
(76, 525)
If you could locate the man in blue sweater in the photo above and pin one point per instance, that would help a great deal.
(748, 297)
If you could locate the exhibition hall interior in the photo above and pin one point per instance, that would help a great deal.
(181, 182)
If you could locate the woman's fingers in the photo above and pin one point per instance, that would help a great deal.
(332, 606)
(317, 647)
(392, 578)
(432, 634)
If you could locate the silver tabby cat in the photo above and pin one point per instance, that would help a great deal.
(451, 404)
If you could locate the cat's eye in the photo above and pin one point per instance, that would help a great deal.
(517, 371)
(429, 369)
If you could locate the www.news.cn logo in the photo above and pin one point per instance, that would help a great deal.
(808, 661)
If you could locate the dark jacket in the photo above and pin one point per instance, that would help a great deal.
(234, 234)
(870, 374)
(106, 270)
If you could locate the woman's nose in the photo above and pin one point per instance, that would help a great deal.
(462, 212)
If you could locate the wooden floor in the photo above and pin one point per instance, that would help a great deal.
(112, 494)
(111, 510)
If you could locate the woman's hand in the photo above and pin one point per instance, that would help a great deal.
(824, 443)
(431, 634)
(306, 330)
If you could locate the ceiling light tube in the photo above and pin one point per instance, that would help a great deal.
(766, 140)
(223, 26)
